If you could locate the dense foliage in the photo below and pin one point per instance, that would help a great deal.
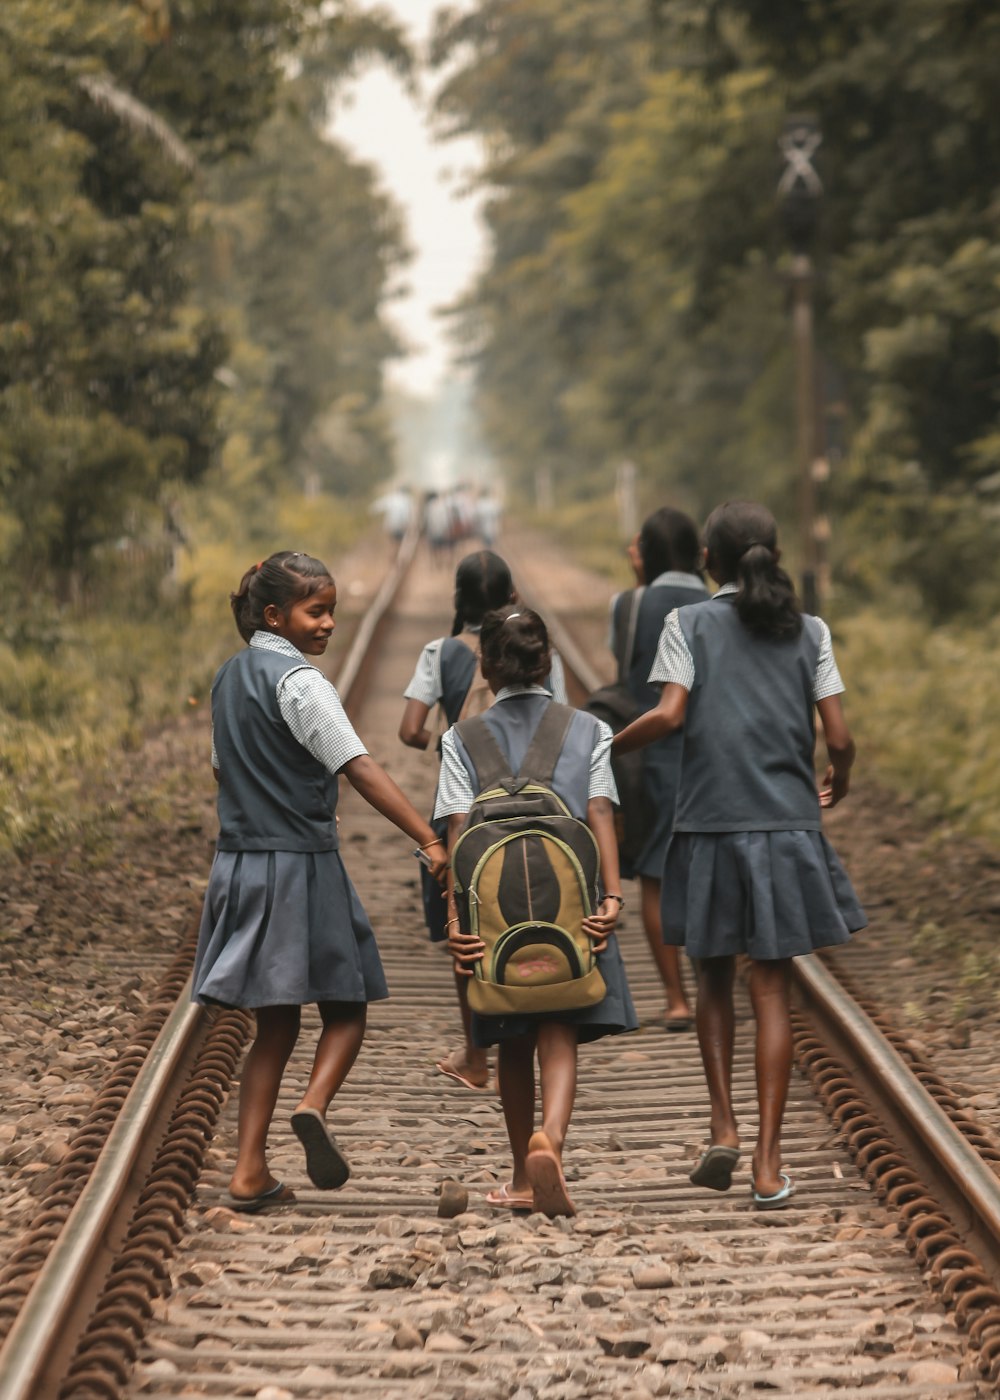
(636, 302)
(168, 204)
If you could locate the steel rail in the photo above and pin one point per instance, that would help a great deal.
(968, 1173)
(964, 1169)
(54, 1296)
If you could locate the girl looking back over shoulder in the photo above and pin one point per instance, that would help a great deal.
(748, 869)
(282, 924)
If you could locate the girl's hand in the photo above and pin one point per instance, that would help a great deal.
(465, 948)
(834, 789)
(437, 854)
(601, 925)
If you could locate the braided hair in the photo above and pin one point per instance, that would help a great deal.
(482, 583)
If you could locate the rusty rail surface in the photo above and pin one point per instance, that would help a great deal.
(106, 1237)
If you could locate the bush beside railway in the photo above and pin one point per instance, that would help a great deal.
(79, 685)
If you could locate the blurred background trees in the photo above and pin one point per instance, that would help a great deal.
(636, 303)
(192, 272)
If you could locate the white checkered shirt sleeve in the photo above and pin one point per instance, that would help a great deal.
(673, 664)
(455, 794)
(426, 683)
(827, 680)
(312, 709)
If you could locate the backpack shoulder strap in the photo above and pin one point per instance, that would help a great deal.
(546, 744)
(487, 756)
(625, 628)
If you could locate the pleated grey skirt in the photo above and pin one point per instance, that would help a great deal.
(283, 928)
(769, 894)
(661, 774)
(611, 1016)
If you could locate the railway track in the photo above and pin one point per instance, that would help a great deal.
(655, 1289)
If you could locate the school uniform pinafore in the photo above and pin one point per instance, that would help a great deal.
(444, 675)
(748, 868)
(282, 923)
(661, 760)
(512, 721)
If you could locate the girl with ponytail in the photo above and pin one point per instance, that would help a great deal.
(748, 869)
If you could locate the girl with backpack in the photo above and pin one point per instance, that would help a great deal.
(447, 674)
(515, 657)
(669, 556)
(748, 869)
(282, 924)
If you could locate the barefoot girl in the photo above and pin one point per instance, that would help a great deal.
(282, 924)
(748, 868)
(446, 674)
(515, 656)
(670, 559)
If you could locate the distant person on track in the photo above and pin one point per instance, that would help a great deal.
(396, 510)
(282, 924)
(448, 674)
(748, 868)
(515, 658)
(437, 527)
(488, 516)
(669, 561)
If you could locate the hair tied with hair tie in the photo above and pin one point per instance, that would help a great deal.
(259, 565)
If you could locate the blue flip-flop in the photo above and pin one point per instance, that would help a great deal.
(715, 1167)
(277, 1195)
(780, 1198)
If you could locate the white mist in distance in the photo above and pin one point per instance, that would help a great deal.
(391, 130)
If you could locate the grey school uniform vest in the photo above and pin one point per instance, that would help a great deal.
(657, 601)
(513, 721)
(458, 670)
(749, 731)
(273, 795)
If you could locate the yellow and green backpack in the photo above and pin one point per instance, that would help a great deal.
(526, 875)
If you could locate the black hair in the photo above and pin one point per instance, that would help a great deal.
(514, 645)
(741, 539)
(482, 583)
(669, 540)
(283, 580)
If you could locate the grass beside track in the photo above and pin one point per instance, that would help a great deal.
(920, 699)
(79, 685)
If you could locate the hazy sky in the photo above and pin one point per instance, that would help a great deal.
(391, 130)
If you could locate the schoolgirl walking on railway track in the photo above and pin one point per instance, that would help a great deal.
(282, 924)
(669, 555)
(447, 674)
(515, 658)
(748, 869)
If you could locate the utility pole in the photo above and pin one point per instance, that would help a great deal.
(627, 499)
(799, 192)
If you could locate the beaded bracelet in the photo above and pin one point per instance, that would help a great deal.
(618, 897)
